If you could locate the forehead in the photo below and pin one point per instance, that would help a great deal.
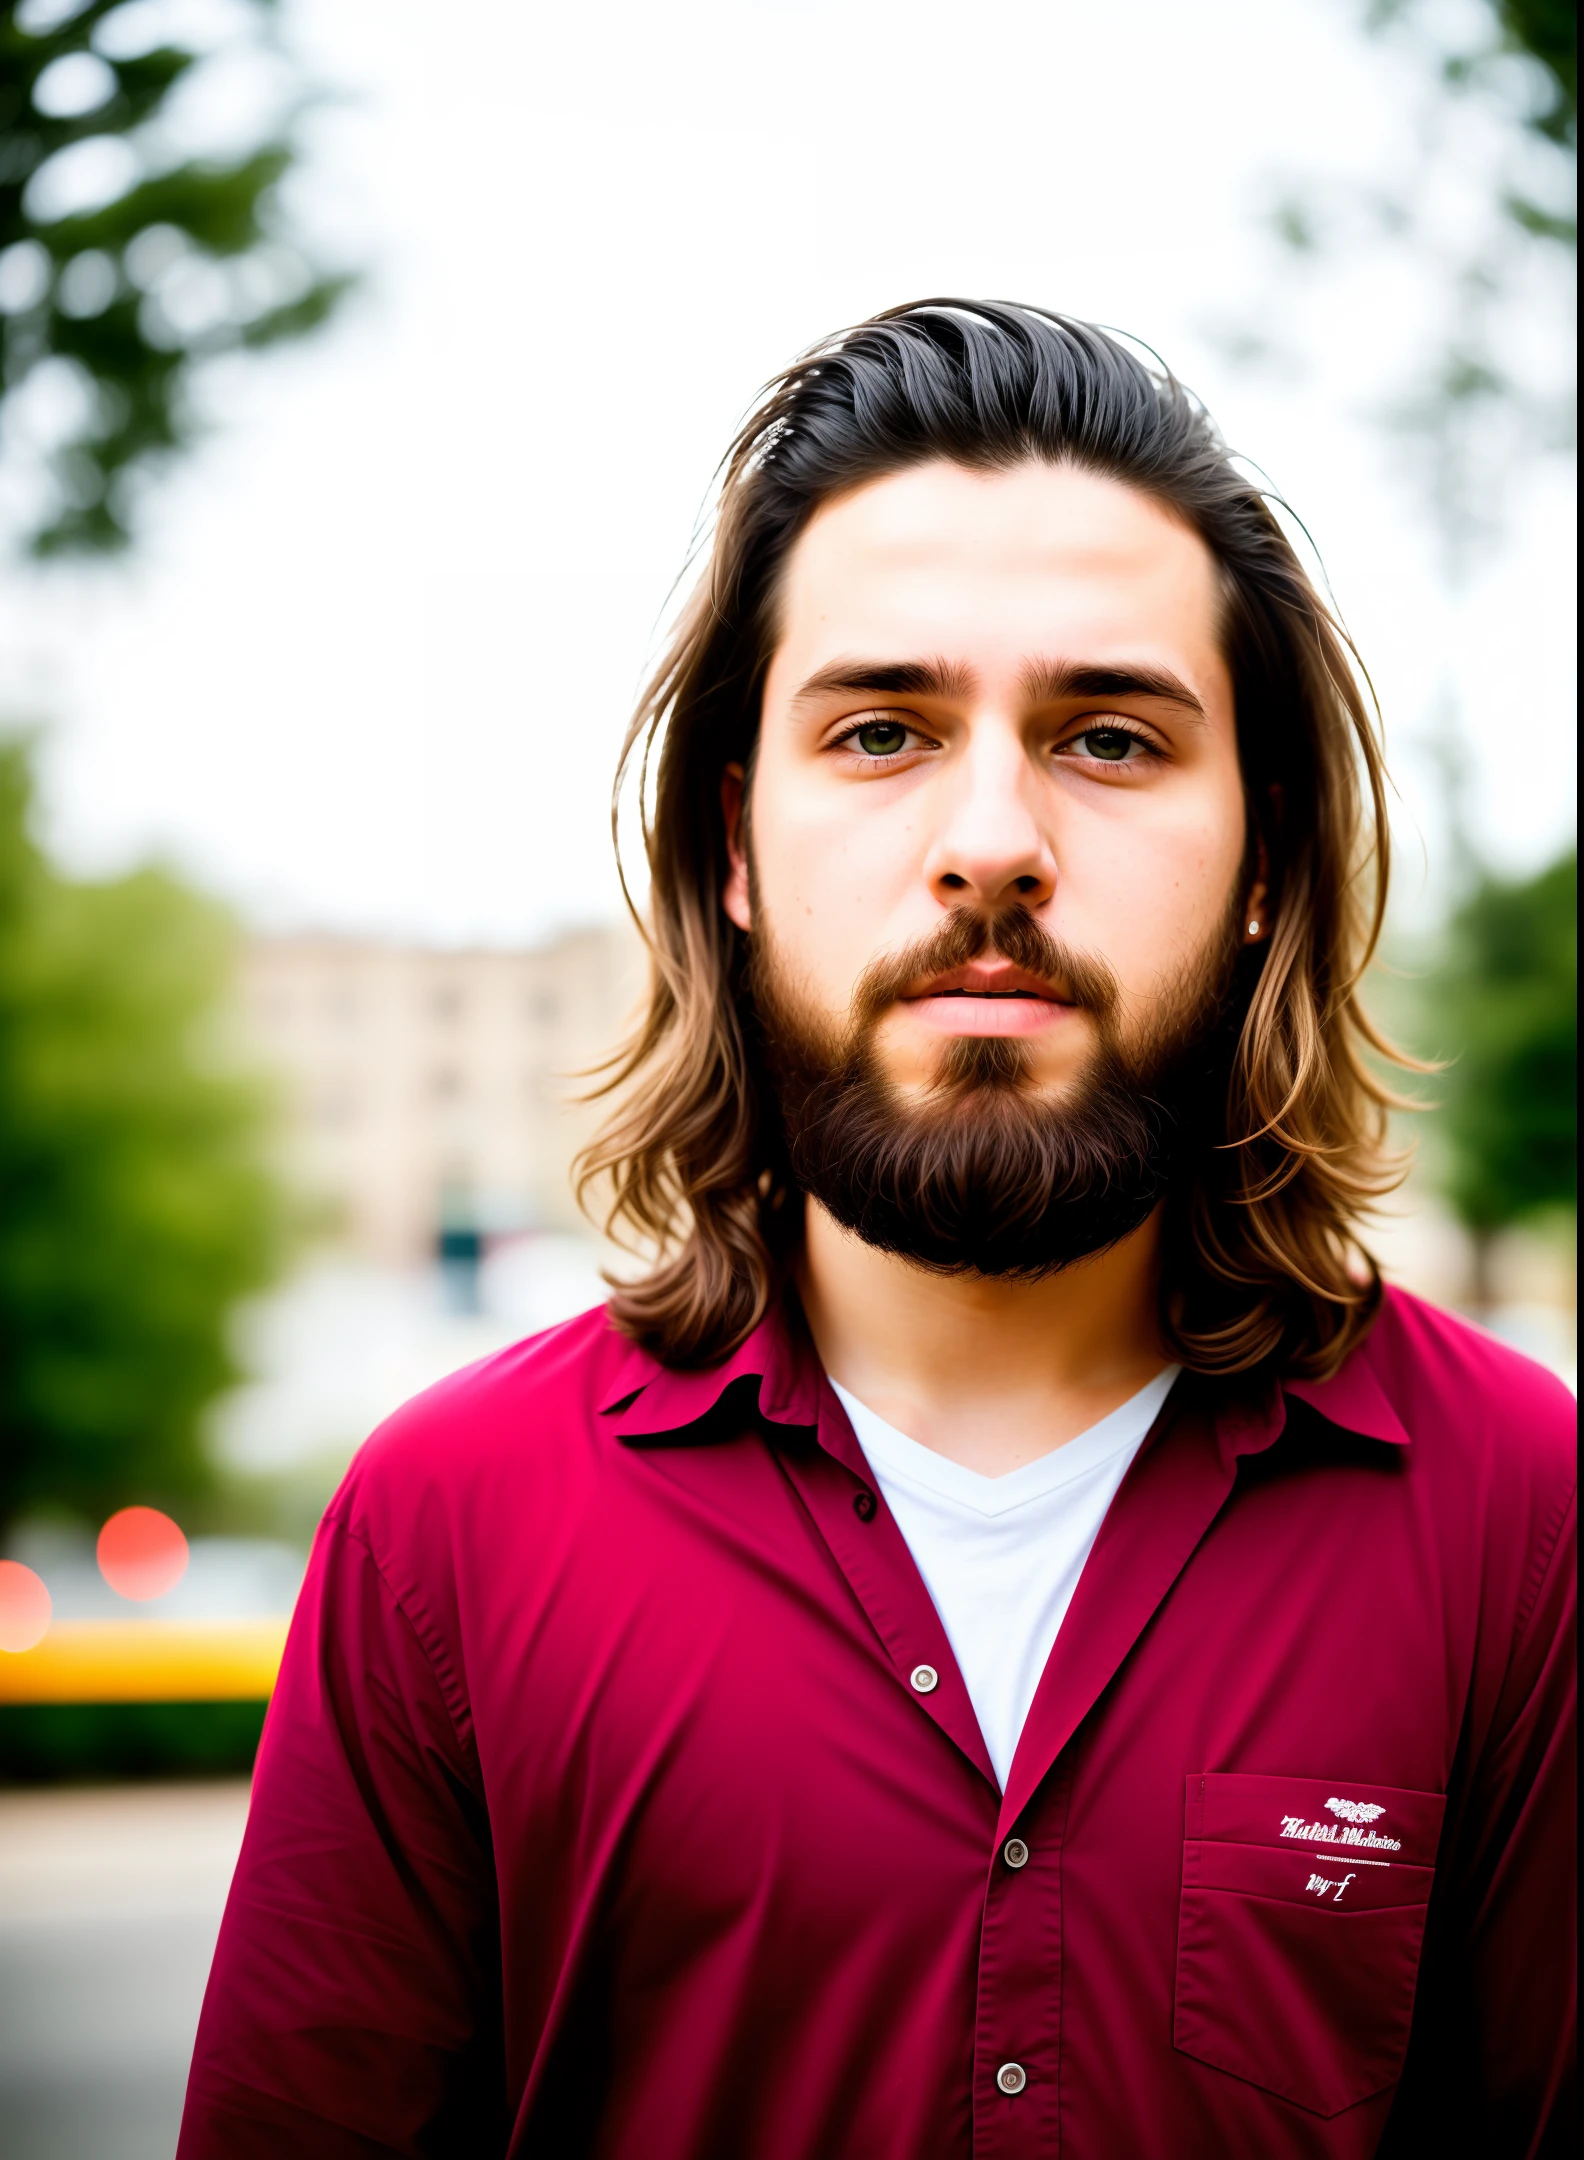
(992, 567)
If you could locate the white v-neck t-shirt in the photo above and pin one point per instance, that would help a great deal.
(1001, 1556)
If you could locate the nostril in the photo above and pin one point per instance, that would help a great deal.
(957, 884)
(1027, 884)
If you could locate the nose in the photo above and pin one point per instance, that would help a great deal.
(991, 847)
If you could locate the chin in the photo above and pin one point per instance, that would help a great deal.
(919, 1064)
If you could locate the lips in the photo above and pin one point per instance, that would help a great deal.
(988, 978)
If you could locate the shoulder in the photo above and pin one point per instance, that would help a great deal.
(1483, 1455)
(1491, 1434)
(1451, 1381)
(497, 1439)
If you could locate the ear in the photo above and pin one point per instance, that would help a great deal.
(734, 896)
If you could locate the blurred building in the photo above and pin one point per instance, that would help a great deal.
(431, 1094)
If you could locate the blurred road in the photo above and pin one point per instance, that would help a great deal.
(110, 1900)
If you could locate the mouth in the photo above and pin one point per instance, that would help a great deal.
(988, 978)
(988, 997)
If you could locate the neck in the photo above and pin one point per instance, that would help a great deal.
(988, 1372)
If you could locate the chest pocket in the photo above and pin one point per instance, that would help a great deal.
(1298, 1937)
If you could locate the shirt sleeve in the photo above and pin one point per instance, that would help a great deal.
(353, 2004)
(1519, 1873)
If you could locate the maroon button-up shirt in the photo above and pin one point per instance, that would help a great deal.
(596, 1813)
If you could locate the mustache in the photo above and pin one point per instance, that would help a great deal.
(983, 1174)
(969, 933)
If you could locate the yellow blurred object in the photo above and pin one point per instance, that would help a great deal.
(102, 1661)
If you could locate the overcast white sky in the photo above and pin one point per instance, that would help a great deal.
(370, 668)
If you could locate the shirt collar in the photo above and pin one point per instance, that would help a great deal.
(1354, 1399)
(656, 1402)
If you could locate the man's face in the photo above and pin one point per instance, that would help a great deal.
(992, 691)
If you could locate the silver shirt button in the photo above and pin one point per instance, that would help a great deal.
(1015, 1853)
(925, 1679)
(1011, 2077)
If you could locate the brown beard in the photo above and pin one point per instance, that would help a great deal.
(986, 1173)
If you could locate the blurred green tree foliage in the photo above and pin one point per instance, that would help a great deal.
(123, 263)
(1476, 207)
(1502, 1007)
(1472, 408)
(1542, 33)
(135, 1202)
(1545, 31)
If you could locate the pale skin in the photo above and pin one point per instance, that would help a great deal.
(1065, 735)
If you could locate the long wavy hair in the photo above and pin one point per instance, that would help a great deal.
(1262, 1265)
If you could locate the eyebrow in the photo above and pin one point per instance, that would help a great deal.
(887, 678)
(1043, 682)
(1053, 682)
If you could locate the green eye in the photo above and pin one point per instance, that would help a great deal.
(1110, 744)
(881, 738)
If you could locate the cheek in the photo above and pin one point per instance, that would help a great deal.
(1151, 892)
(827, 887)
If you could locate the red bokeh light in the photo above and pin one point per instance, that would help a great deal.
(142, 1553)
(24, 1606)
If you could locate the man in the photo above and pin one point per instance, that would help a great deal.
(1006, 1640)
